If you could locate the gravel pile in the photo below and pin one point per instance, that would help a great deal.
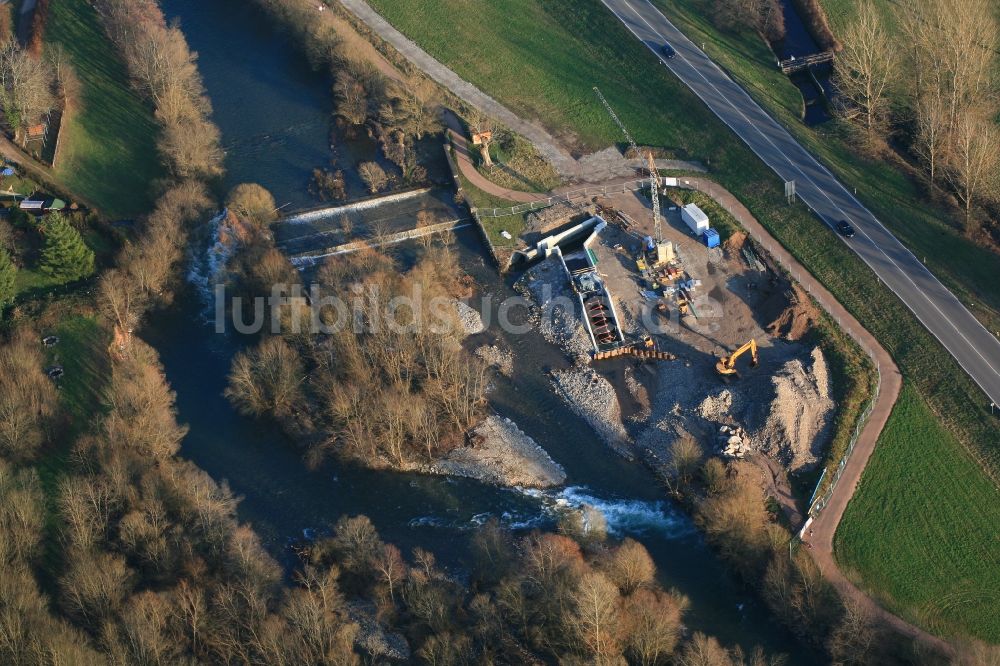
(800, 413)
(502, 454)
(593, 398)
(472, 321)
(556, 311)
(640, 394)
(717, 407)
(497, 357)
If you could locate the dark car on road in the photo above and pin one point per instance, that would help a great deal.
(845, 228)
(668, 51)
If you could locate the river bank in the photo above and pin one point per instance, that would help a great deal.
(281, 497)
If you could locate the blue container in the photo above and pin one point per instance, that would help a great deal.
(710, 238)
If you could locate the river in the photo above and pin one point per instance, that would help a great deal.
(275, 120)
(797, 43)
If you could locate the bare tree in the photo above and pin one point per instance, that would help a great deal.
(866, 67)
(25, 86)
(974, 160)
(685, 457)
(21, 515)
(267, 379)
(374, 176)
(631, 567)
(704, 650)
(653, 621)
(931, 138)
(253, 203)
(95, 587)
(351, 96)
(764, 16)
(192, 149)
(123, 301)
(391, 569)
(595, 620)
(854, 637)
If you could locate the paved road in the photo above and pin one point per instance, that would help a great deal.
(976, 349)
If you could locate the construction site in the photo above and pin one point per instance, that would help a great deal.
(673, 333)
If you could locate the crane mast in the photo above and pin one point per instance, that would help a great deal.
(654, 180)
(654, 192)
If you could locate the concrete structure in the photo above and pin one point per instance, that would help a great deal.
(597, 308)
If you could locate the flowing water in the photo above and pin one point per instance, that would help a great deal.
(274, 117)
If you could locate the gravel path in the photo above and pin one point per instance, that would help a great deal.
(596, 167)
(890, 379)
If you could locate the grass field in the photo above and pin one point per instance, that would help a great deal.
(82, 351)
(542, 59)
(512, 224)
(916, 484)
(108, 143)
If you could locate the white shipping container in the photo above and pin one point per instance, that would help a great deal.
(695, 218)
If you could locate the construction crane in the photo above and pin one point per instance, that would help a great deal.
(727, 364)
(654, 192)
(654, 177)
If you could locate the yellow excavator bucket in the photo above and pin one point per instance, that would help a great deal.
(726, 366)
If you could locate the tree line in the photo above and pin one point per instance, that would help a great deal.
(163, 69)
(938, 90)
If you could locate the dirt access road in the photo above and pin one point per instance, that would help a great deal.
(824, 526)
(890, 381)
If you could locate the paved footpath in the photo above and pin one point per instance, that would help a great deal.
(890, 382)
(596, 167)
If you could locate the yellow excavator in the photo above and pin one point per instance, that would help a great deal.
(727, 364)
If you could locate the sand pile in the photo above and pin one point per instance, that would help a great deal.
(735, 243)
(594, 399)
(794, 321)
(502, 454)
(799, 415)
